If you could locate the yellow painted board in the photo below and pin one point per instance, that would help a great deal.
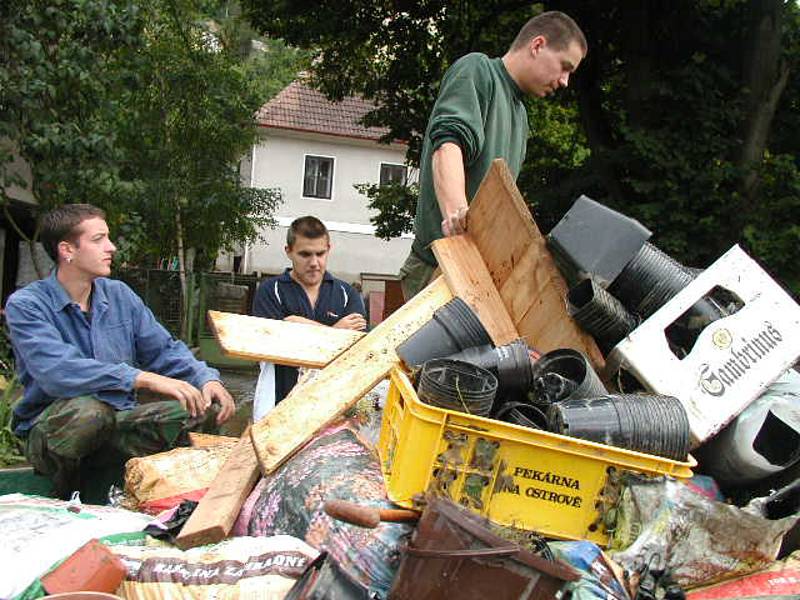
(280, 342)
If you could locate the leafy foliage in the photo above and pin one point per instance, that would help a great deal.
(188, 122)
(395, 205)
(143, 108)
(61, 64)
(683, 114)
(10, 445)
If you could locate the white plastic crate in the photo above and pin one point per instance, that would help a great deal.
(733, 360)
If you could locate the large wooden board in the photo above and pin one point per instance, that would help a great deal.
(516, 256)
(468, 279)
(339, 385)
(280, 342)
(499, 223)
(213, 519)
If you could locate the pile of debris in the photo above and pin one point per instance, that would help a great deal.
(572, 416)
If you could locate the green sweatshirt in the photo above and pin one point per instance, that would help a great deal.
(481, 109)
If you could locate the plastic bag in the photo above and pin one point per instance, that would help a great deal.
(666, 525)
(242, 568)
(264, 397)
(39, 532)
(781, 580)
(598, 577)
(161, 481)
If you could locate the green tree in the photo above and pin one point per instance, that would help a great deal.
(189, 120)
(145, 109)
(59, 70)
(681, 115)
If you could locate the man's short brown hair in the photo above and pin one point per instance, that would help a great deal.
(61, 224)
(307, 227)
(559, 29)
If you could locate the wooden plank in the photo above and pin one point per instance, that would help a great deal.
(499, 222)
(215, 515)
(354, 373)
(516, 255)
(468, 278)
(338, 386)
(280, 342)
(204, 440)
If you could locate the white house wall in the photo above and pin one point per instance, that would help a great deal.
(278, 162)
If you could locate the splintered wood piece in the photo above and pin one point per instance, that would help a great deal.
(215, 515)
(468, 279)
(280, 342)
(338, 386)
(523, 270)
(204, 440)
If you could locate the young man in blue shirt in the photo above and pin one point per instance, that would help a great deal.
(83, 345)
(306, 292)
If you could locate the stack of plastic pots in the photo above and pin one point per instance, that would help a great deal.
(600, 313)
(456, 385)
(557, 375)
(564, 374)
(651, 424)
(453, 328)
(649, 281)
(511, 364)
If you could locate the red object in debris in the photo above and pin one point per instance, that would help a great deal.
(376, 305)
(91, 568)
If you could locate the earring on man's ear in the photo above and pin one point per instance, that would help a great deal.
(69, 259)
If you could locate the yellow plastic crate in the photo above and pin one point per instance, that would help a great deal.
(535, 480)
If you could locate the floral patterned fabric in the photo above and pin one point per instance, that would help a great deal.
(334, 465)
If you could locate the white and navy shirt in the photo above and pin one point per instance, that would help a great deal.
(280, 297)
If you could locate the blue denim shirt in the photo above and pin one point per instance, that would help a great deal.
(62, 354)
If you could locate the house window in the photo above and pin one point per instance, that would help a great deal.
(318, 177)
(393, 174)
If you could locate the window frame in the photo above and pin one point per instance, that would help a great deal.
(306, 156)
(391, 164)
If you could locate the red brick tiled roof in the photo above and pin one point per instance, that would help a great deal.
(301, 108)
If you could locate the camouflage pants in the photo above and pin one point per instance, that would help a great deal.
(84, 428)
(414, 275)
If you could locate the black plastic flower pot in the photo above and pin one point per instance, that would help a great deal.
(511, 364)
(432, 340)
(650, 280)
(600, 313)
(565, 374)
(462, 323)
(592, 240)
(522, 413)
(454, 327)
(652, 424)
(456, 385)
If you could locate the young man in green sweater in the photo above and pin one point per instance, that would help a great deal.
(479, 116)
